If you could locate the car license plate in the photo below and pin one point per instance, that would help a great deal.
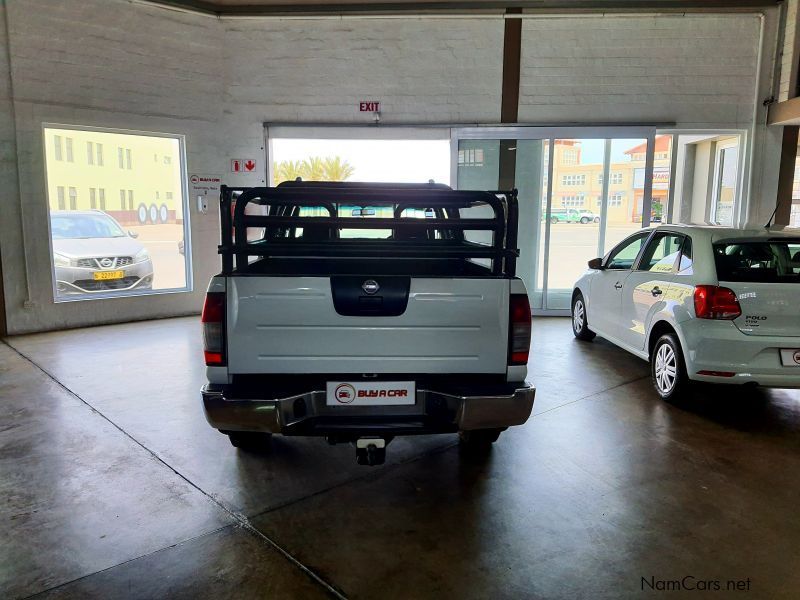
(790, 357)
(373, 393)
(103, 275)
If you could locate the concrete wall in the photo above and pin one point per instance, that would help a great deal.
(789, 53)
(108, 64)
(115, 64)
(9, 190)
(692, 70)
(112, 63)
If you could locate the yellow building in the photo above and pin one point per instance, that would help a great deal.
(580, 186)
(134, 178)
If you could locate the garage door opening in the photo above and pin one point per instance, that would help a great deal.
(117, 213)
(360, 155)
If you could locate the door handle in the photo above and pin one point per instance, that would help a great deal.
(618, 285)
(656, 291)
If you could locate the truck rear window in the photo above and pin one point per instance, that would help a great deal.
(767, 261)
(375, 212)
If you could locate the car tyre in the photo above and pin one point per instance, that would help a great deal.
(478, 439)
(554, 220)
(668, 369)
(580, 324)
(597, 219)
(584, 220)
(250, 441)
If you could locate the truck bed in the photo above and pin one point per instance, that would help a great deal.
(292, 324)
(327, 266)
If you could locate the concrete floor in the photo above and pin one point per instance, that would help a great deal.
(113, 485)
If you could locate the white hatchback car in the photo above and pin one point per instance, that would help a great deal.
(700, 303)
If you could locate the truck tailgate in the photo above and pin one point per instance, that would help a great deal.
(289, 325)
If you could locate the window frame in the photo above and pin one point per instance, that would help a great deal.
(656, 236)
(687, 241)
(183, 190)
(717, 172)
(645, 234)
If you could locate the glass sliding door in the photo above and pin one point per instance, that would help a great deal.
(579, 195)
(492, 164)
(626, 190)
(574, 226)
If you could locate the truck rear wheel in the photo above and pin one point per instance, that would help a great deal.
(249, 440)
(478, 439)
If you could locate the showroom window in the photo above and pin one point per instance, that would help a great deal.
(132, 247)
(724, 185)
(706, 186)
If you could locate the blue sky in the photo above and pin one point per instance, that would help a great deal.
(592, 150)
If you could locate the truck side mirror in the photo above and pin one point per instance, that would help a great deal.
(596, 263)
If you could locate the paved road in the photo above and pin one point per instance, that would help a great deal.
(168, 264)
(572, 246)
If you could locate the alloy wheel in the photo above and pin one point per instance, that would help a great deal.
(666, 369)
(578, 316)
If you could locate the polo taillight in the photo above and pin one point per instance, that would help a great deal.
(213, 320)
(519, 330)
(715, 302)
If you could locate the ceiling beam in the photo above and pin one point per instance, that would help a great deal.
(282, 7)
(785, 113)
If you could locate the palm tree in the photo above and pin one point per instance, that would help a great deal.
(336, 169)
(287, 170)
(313, 169)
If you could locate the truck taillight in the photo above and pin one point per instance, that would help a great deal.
(213, 320)
(714, 302)
(519, 330)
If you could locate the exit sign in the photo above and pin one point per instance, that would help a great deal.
(369, 106)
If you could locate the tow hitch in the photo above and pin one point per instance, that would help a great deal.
(371, 451)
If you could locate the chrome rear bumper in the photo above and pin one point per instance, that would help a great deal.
(309, 414)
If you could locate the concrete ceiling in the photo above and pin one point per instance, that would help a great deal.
(263, 7)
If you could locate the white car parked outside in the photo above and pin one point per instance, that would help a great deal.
(700, 303)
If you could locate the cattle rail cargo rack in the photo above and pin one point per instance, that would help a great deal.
(440, 234)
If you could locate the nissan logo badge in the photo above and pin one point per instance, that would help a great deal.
(106, 262)
(370, 286)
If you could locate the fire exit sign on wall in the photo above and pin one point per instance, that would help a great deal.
(369, 106)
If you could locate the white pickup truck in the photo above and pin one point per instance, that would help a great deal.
(360, 312)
